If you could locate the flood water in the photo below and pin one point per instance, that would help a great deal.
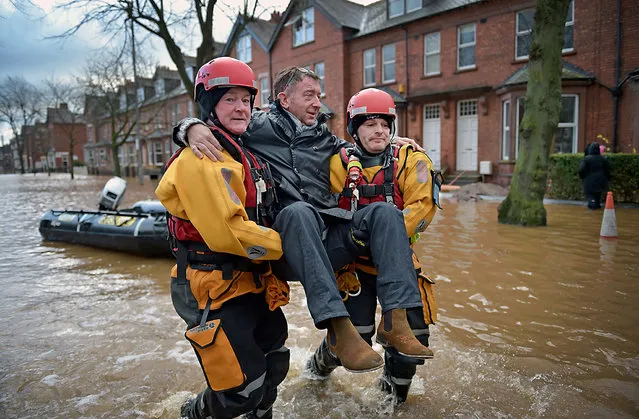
(532, 322)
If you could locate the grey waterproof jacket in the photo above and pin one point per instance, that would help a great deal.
(299, 161)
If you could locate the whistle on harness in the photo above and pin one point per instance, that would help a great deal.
(260, 185)
(354, 169)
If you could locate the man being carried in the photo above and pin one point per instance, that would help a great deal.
(317, 236)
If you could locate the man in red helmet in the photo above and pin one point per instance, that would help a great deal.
(317, 236)
(376, 170)
(222, 285)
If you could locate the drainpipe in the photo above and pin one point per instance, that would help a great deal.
(616, 93)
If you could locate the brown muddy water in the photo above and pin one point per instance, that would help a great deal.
(533, 322)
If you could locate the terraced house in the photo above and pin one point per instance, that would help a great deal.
(457, 70)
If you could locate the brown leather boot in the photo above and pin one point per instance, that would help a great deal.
(394, 331)
(352, 351)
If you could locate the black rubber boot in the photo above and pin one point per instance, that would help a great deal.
(398, 375)
(323, 361)
(189, 408)
(259, 414)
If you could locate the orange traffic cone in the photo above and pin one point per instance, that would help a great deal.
(609, 222)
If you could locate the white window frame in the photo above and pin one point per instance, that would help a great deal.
(265, 91)
(149, 154)
(506, 111)
(403, 10)
(307, 22)
(243, 48)
(132, 155)
(519, 33)
(320, 71)
(519, 99)
(467, 45)
(389, 62)
(575, 124)
(369, 66)
(571, 11)
(413, 9)
(190, 107)
(568, 23)
(428, 55)
(158, 153)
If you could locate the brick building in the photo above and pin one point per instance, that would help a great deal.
(457, 70)
(47, 144)
(163, 102)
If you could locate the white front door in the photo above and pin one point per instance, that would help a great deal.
(467, 135)
(432, 134)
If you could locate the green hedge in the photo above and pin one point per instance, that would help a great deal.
(564, 182)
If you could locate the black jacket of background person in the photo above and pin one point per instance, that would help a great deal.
(594, 170)
(299, 161)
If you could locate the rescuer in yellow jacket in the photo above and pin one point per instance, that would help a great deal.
(222, 285)
(376, 170)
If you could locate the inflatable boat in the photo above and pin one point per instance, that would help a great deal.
(140, 229)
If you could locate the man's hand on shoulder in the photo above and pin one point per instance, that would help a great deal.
(400, 141)
(203, 143)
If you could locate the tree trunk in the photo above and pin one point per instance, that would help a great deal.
(116, 161)
(524, 204)
(71, 163)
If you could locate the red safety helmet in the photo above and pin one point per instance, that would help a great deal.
(225, 72)
(369, 103)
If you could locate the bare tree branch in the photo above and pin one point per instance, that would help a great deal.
(159, 19)
(20, 104)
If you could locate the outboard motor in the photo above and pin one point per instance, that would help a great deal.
(112, 194)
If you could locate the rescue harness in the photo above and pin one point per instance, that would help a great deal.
(359, 192)
(188, 246)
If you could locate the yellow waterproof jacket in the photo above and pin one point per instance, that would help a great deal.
(414, 178)
(211, 195)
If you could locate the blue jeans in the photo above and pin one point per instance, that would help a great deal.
(315, 247)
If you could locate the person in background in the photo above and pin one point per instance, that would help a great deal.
(377, 171)
(317, 236)
(222, 285)
(594, 170)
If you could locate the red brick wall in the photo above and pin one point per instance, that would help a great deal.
(328, 47)
(594, 51)
(60, 138)
(259, 63)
